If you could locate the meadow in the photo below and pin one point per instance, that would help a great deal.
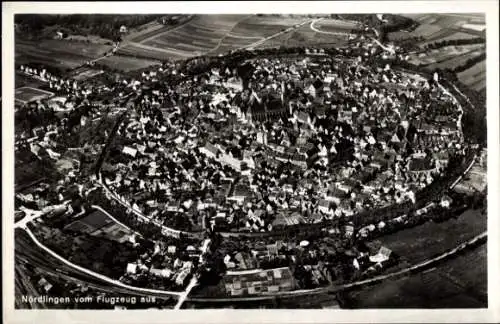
(434, 28)
(57, 53)
(474, 77)
(125, 63)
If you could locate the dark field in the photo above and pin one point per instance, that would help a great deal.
(458, 283)
(427, 240)
(57, 53)
(26, 94)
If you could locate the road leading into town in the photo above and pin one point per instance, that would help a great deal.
(194, 281)
(97, 275)
(422, 266)
(29, 253)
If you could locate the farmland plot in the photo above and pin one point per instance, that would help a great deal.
(27, 94)
(230, 42)
(142, 51)
(457, 61)
(474, 77)
(438, 27)
(57, 53)
(336, 26)
(125, 63)
(455, 35)
(265, 26)
(200, 35)
(23, 80)
(448, 53)
(305, 36)
(85, 73)
(209, 34)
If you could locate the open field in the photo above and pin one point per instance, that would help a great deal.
(426, 240)
(474, 77)
(454, 35)
(303, 36)
(265, 26)
(449, 57)
(151, 29)
(125, 63)
(475, 27)
(143, 51)
(57, 53)
(27, 94)
(458, 60)
(443, 54)
(336, 25)
(30, 169)
(202, 34)
(23, 80)
(458, 283)
(85, 73)
(207, 35)
(439, 27)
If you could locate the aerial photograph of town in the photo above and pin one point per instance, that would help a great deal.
(250, 161)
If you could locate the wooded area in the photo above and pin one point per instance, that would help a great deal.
(106, 26)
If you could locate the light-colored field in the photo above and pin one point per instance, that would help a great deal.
(476, 27)
(125, 63)
(143, 51)
(86, 73)
(336, 25)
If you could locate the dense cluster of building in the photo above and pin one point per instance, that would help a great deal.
(298, 139)
(245, 153)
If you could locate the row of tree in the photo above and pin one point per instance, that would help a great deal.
(456, 42)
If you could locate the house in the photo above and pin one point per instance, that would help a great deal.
(171, 249)
(303, 117)
(47, 286)
(383, 255)
(164, 273)
(132, 268)
(325, 206)
(182, 276)
(209, 150)
(130, 151)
